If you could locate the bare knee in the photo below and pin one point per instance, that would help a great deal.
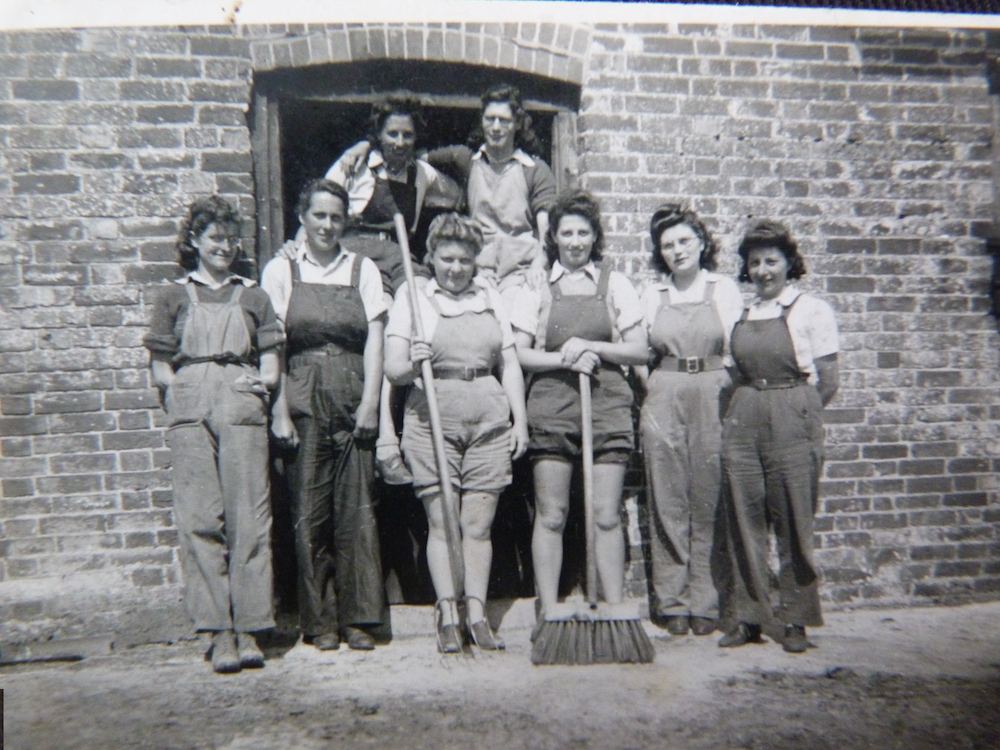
(552, 516)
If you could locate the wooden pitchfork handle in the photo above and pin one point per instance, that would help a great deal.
(587, 450)
(449, 506)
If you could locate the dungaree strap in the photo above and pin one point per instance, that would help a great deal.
(356, 272)
(296, 275)
(603, 281)
(709, 291)
(191, 293)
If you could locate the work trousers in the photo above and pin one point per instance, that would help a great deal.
(222, 504)
(772, 457)
(331, 477)
(682, 438)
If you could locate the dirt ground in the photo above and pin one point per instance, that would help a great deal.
(916, 678)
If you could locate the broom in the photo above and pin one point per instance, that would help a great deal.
(449, 506)
(593, 633)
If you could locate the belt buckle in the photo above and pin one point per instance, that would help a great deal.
(692, 365)
(468, 373)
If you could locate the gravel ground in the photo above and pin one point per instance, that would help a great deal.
(888, 678)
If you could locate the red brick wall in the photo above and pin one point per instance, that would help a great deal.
(874, 146)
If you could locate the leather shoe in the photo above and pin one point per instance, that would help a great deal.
(393, 470)
(677, 624)
(325, 642)
(251, 657)
(795, 641)
(740, 635)
(224, 658)
(702, 625)
(358, 640)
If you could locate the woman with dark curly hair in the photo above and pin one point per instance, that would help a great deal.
(785, 347)
(689, 313)
(209, 332)
(587, 319)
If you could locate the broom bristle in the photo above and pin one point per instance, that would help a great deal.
(592, 642)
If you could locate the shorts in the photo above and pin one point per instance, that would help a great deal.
(475, 418)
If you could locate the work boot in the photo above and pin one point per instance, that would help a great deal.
(251, 657)
(224, 657)
(357, 639)
(740, 635)
(702, 625)
(677, 624)
(795, 641)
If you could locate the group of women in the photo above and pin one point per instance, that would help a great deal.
(730, 419)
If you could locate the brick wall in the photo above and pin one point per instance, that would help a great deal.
(874, 145)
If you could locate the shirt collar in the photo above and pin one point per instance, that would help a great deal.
(233, 278)
(787, 296)
(302, 254)
(475, 288)
(558, 271)
(663, 283)
(518, 156)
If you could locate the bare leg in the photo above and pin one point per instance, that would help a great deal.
(552, 481)
(437, 555)
(610, 553)
(387, 442)
(478, 509)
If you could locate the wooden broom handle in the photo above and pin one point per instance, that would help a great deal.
(449, 507)
(587, 449)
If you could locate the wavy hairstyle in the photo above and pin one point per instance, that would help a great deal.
(321, 185)
(770, 233)
(575, 202)
(452, 227)
(524, 137)
(395, 104)
(201, 214)
(671, 215)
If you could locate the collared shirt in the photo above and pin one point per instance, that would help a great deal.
(276, 279)
(726, 298)
(623, 300)
(479, 296)
(170, 308)
(433, 188)
(811, 325)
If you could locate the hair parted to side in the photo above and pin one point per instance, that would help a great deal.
(201, 214)
(671, 215)
(401, 103)
(575, 202)
(771, 233)
(321, 185)
(452, 227)
(524, 136)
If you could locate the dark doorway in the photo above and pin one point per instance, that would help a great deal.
(302, 121)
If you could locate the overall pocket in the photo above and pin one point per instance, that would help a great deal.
(299, 386)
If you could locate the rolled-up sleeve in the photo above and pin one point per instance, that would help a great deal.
(625, 302)
(542, 188)
(370, 284)
(162, 341)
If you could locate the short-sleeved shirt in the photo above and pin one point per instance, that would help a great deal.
(811, 325)
(726, 298)
(276, 279)
(433, 188)
(478, 297)
(170, 310)
(529, 306)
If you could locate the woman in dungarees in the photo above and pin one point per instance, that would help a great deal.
(330, 302)
(785, 346)
(586, 320)
(380, 183)
(689, 313)
(480, 390)
(209, 331)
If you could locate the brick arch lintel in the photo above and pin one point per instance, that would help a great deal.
(553, 50)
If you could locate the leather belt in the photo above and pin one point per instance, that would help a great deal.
(763, 384)
(228, 358)
(691, 364)
(462, 373)
(381, 234)
(324, 350)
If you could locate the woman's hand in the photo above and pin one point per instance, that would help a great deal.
(419, 351)
(356, 157)
(518, 439)
(284, 432)
(537, 277)
(574, 348)
(287, 251)
(366, 420)
(586, 363)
